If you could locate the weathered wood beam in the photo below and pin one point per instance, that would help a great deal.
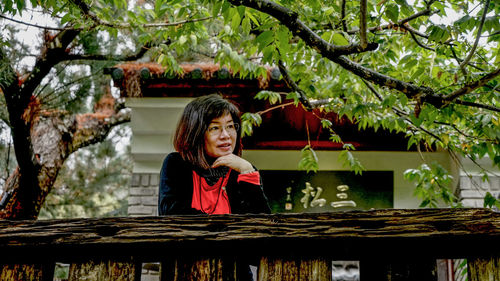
(433, 233)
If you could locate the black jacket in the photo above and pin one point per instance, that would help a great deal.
(176, 190)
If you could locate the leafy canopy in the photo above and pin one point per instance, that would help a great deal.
(428, 69)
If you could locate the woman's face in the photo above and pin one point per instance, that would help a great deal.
(220, 137)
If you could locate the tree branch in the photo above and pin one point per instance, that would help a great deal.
(291, 20)
(400, 113)
(401, 23)
(469, 87)
(473, 50)
(478, 105)
(32, 25)
(333, 53)
(55, 52)
(86, 11)
(292, 85)
(132, 57)
(362, 24)
(418, 41)
(342, 15)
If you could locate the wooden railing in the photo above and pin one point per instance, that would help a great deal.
(390, 245)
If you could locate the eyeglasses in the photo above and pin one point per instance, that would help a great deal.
(216, 130)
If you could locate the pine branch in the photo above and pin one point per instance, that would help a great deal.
(55, 52)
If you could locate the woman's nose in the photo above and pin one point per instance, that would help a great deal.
(224, 134)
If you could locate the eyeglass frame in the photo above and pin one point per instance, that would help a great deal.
(222, 128)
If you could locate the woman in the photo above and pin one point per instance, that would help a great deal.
(207, 175)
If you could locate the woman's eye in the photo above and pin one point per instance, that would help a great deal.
(214, 129)
(230, 127)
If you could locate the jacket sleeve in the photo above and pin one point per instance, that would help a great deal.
(251, 195)
(175, 190)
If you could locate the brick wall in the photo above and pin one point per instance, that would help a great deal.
(143, 201)
(473, 189)
(143, 195)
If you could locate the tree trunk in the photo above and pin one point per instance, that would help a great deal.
(54, 136)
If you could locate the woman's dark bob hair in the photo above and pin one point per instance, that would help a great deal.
(189, 139)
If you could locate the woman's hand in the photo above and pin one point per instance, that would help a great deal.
(234, 162)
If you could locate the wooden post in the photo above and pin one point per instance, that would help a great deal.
(484, 269)
(285, 269)
(19, 272)
(199, 269)
(401, 270)
(107, 270)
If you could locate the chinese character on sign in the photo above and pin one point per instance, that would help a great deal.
(311, 196)
(343, 196)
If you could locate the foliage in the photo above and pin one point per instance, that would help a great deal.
(347, 158)
(432, 185)
(309, 160)
(428, 69)
(91, 184)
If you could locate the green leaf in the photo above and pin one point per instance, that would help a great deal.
(245, 25)
(272, 97)
(235, 22)
(309, 160)
(438, 33)
(490, 201)
(392, 12)
(339, 39)
(264, 39)
(348, 159)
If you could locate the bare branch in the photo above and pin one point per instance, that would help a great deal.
(469, 87)
(52, 55)
(480, 29)
(362, 24)
(32, 25)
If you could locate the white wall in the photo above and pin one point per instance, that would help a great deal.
(154, 121)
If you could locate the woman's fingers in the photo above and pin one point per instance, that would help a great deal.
(234, 162)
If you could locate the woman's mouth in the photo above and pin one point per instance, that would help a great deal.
(225, 146)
